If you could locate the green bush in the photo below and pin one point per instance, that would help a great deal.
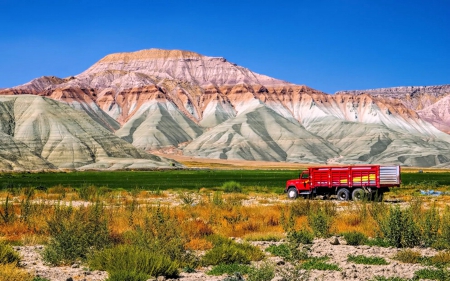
(320, 222)
(430, 222)
(377, 241)
(445, 227)
(263, 272)
(231, 253)
(355, 238)
(232, 186)
(229, 269)
(288, 251)
(226, 251)
(360, 259)
(281, 250)
(302, 207)
(132, 258)
(302, 236)
(160, 233)
(75, 233)
(432, 274)
(319, 263)
(88, 193)
(8, 255)
(400, 229)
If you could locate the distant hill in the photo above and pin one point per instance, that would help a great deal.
(184, 102)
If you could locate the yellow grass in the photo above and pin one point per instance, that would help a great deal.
(9, 272)
(127, 210)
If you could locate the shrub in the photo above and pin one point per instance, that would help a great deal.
(226, 251)
(360, 259)
(88, 193)
(7, 211)
(445, 226)
(161, 233)
(441, 259)
(301, 207)
(232, 186)
(430, 223)
(289, 252)
(400, 229)
(229, 269)
(281, 250)
(8, 255)
(131, 258)
(408, 256)
(263, 272)
(319, 263)
(232, 253)
(320, 222)
(377, 241)
(302, 236)
(432, 274)
(355, 238)
(187, 198)
(10, 272)
(217, 199)
(75, 233)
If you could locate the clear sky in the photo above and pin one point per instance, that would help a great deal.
(328, 45)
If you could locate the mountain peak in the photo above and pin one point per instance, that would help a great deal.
(150, 54)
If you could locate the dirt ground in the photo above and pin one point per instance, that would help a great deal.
(32, 262)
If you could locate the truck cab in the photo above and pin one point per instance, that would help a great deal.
(300, 186)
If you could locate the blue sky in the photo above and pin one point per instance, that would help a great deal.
(327, 45)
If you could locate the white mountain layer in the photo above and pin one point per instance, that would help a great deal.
(260, 134)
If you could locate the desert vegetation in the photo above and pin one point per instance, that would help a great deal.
(137, 233)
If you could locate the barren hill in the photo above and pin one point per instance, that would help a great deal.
(209, 107)
(40, 133)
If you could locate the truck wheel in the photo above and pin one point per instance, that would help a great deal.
(343, 194)
(292, 193)
(358, 194)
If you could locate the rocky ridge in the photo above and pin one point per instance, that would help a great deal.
(210, 107)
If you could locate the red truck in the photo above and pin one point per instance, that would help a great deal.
(349, 182)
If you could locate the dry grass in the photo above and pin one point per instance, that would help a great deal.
(251, 216)
(9, 272)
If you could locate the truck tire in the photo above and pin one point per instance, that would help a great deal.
(292, 193)
(358, 194)
(343, 194)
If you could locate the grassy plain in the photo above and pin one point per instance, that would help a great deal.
(185, 210)
(190, 179)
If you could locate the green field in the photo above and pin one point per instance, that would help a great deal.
(152, 180)
(185, 179)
